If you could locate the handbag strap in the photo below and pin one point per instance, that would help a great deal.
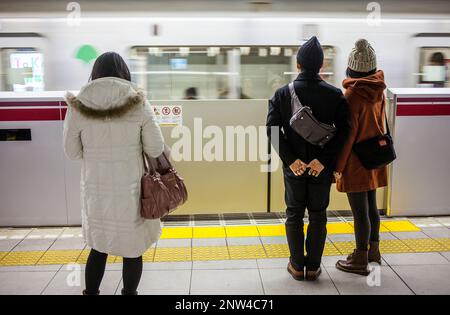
(295, 101)
(150, 168)
(385, 116)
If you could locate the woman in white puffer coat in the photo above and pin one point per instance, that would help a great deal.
(108, 125)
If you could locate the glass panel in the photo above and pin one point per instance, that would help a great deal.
(434, 67)
(218, 72)
(22, 69)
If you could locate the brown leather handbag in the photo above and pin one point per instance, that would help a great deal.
(162, 188)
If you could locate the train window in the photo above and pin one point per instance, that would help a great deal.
(218, 72)
(434, 67)
(22, 69)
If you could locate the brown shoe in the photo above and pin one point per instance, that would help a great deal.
(374, 253)
(313, 275)
(357, 263)
(296, 274)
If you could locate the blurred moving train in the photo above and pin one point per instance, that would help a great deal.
(213, 57)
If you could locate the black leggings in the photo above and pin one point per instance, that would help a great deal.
(367, 218)
(95, 269)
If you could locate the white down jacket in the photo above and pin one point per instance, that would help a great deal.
(108, 125)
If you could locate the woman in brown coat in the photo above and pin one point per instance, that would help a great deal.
(365, 95)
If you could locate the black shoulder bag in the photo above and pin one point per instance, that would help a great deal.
(376, 152)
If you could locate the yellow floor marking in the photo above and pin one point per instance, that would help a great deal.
(277, 250)
(60, 257)
(209, 232)
(242, 231)
(173, 254)
(149, 255)
(400, 226)
(339, 228)
(82, 259)
(176, 232)
(210, 253)
(425, 245)
(246, 252)
(271, 230)
(22, 258)
(3, 254)
(394, 246)
(274, 230)
(220, 252)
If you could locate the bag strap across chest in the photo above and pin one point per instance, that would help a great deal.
(295, 101)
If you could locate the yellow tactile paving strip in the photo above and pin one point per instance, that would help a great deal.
(262, 251)
(272, 230)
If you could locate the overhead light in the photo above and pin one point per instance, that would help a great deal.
(245, 51)
(262, 52)
(275, 51)
(213, 51)
(184, 51)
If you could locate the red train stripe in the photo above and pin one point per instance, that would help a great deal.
(30, 115)
(423, 110)
(422, 99)
(31, 103)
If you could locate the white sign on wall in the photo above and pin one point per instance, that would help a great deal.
(169, 115)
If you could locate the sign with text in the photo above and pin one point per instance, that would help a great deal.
(168, 115)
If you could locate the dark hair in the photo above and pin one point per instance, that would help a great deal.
(191, 93)
(438, 58)
(110, 64)
(358, 75)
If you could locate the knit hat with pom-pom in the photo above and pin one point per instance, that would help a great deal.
(362, 58)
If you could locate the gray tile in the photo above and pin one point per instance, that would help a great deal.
(243, 241)
(211, 282)
(341, 237)
(182, 265)
(225, 264)
(34, 245)
(182, 242)
(38, 268)
(200, 242)
(426, 280)
(72, 283)
(164, 282)
(415, 259)
(350, 284)
(68, 244)
(437, 232)
(25, 282)
(8, 245)
(274, 240)
(273, 263)
(330, 261)
(410, 235)
(278, 281)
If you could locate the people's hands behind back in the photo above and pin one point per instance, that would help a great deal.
(315, 168)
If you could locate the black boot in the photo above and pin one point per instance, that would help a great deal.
(86, 293)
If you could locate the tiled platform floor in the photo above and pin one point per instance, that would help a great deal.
(416, 256)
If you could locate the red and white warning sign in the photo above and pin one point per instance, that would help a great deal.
(169, 115)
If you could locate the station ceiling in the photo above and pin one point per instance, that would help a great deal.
(416, 7)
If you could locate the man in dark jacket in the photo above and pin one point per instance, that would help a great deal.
(308, 169)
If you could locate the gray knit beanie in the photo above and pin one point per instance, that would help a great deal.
(362, 58)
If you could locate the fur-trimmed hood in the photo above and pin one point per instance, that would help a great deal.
(106, 98)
